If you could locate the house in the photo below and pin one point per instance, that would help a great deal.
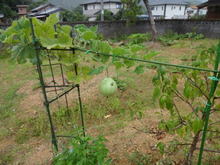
(169, 9)
(91, 8)
(22, 10)
(192, 11)
(1, 17)
(44, 10)
(213, 9)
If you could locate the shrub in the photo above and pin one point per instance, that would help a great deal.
(139, 38)
(84, 150)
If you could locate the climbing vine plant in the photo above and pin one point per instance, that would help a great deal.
(168, 85)
(171, 95)
(19, 36)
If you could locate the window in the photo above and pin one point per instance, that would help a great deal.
(94, 6)
(118, 5)
(85, 7)
(180, 7)
(152, 8)
(162, 7)
(156, 8)
(172, 8)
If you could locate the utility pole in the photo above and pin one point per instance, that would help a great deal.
(102, 10)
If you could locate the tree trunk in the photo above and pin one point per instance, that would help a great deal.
(192, 149)
(154, 31)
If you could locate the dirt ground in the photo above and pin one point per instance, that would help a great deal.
(131, 138)
(139, 135)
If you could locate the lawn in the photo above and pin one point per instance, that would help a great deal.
(128, 120)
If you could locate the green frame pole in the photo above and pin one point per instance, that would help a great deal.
(209, 104)
(46, 103)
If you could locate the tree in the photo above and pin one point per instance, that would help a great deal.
(132, 9)
(108, 15)
(34, 4)
(75, 15)
(199, 87)
(9, 9)
(78, 9)
(119, 15)
(152, 22)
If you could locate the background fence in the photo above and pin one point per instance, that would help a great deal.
(209, 28)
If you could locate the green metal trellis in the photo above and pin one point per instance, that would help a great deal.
(215, 80)
(68, 88)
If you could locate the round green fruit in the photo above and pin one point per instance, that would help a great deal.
(108, 86)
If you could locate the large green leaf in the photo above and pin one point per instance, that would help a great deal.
(169, 103)
(66, 29)
(162, 101)
(96, 70)
(22, 52)
(88, 35)
(105, 48)
(197, 125)
(156, 93)
(120, 51)
(52, 20)
(181, 131)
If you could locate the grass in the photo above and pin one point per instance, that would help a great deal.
(140, 159)
(128, 104)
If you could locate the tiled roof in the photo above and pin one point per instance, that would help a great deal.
(167, 2)
(41, 7)
(99, 1)
(47, 11)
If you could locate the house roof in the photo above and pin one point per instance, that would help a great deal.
(41, 7)
(47, 11)
(167, 2)
(99, 1)
(209, 3)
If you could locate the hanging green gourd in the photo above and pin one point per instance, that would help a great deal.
(108, 87)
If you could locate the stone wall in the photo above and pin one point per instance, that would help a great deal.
(210, 28)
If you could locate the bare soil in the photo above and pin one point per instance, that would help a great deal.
(139, 135)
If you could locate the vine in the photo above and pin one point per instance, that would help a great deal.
(197, 85)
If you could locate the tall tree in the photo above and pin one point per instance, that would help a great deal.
(75, 15)
(9, 9)
(152, 22)
(132, 9)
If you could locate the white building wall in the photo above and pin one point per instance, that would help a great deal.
(93, 8)
(201, 12)
(175, 10)
(171, 11)
(158, 10)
